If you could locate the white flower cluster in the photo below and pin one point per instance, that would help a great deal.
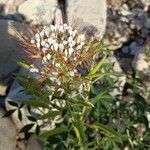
(58, 38)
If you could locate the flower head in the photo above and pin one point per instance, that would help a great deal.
(60, 50)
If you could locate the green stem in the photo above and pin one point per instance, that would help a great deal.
(75, 128)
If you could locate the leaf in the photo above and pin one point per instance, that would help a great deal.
(51, 114)
(97, 66)
(13, 103)
(37, 130)
(61, 146)
(19, 115)
(58, 130)
(24, 65)
(106, 129)
(36, 103)
(26, 128)
(9, 113)
(32, 118)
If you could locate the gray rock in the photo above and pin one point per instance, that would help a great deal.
(139, 63)
(119, 85)
(8, 133)
(38, 11)
(17, 93)
(125, 49)
(9, 51)
(8, 7)
(88, 16)
(34, 144)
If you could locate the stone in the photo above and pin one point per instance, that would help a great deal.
(9, 51)
(8, 133)
(8, 7)
(120, 81)
(34, 144)
(16, 93)
(87, 16)
(139, 63)
(133, 48)
(38, 11)
(125, 49)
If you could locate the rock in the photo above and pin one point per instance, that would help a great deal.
(34, 144)
(89, 17)
(133, 48)
(17, 93)
(8, 133)
(12, 5)
(129, 19)
(9, 51)
(119, 85)
(139, 63)
(38, 11)
(125, 49)
(8, 9)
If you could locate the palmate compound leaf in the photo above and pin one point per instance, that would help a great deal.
(19, 115)
(13, 103)
(97, 66)
(27, 128)
(50, 114)
(106, 129)
(36, 103)
(56, 131)
(9, 113)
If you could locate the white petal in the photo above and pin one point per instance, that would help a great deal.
(61, 47)
(82, 43)
(52, 27)
(71, 73)
(38, 45)
(79, 47)
(65, 42)
(82, 36)
(32, 41)
(42, 34)
(37, 36)
(34, 70)
(53, 35)
(73, 43)
(44, 59)
(70, 39)
(66, 53)
(61, 29)
(47, 32)
(44, 49)
(43, 43)
(56, 46)
(50, 40)
(47, 45)
(71, 50)
(48, 56)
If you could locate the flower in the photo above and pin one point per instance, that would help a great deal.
(60, 50)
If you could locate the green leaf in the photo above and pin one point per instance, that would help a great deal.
(97, 66)
(51, 114)
(36, 103)
(37, 130)
(24, 65)
(26, 128)
(58, 130)
(9, 113)
(19, 115)
(13, 103)
(31, 118)
(106, 129)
